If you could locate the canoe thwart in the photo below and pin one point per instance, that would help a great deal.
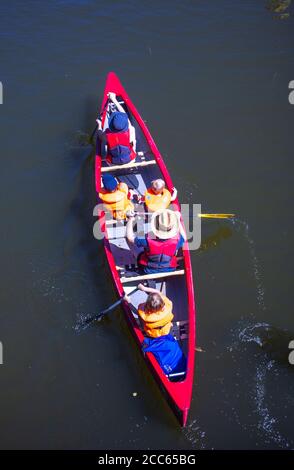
(105, 169)
(176, 374)
(152, 276)
(127, 267)
(135, 266)
(115, 222)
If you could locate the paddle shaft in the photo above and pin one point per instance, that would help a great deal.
(100, 116)
(108, 309)
(205, 216)
(216, 216)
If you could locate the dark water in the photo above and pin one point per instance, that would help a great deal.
(211, 79)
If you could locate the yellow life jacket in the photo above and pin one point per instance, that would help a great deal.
(117, 202)
(158, 323)
(156, 202)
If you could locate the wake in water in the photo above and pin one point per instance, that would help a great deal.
(271, 386)
(80, 139)
(195, 435)
(243, 227)
(83, 322)
(273, 341)
(270, 362)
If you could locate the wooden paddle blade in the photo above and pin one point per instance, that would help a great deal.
(216, 216)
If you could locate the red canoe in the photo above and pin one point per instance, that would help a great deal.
(148, 166)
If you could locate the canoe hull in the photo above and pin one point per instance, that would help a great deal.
(178, 394)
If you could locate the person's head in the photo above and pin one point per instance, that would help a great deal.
(118, 122)
(154, 303)
(157, 186)
(109, 183)
(165, 224)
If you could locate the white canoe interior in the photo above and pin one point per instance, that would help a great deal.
(173, 285)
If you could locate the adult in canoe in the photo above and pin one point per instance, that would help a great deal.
(157, 197)
(119, 137)
(160, 246)
(116, 197)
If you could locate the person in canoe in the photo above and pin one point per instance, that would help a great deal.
(157, 197)
(116, 197)
(119, 137)
(156, 318)
(156, 313)
(161, 246)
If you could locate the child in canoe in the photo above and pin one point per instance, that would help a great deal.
(116, 197)
(156, 317)
(156, 313)
(157, 197)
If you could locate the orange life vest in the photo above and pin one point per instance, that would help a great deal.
(158, 323)
(156, 202)
(117, 202)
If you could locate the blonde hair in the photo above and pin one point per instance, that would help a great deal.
(154, 303)
(158, 184)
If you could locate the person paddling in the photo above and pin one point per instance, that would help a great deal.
(161, 246)
(119, 137)
(156, 313)
(116, 197)
(157, 197)
(156, 317)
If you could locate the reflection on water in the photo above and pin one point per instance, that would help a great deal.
(81, 139)
(214, 240)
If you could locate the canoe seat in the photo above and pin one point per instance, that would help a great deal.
(115, 222)
(176, 375)
(143, 277)
(135, 164)
(132, 267)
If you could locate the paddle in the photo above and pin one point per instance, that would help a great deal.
(101, 314)
(216, 216)
(205, 216)
(99, 117)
